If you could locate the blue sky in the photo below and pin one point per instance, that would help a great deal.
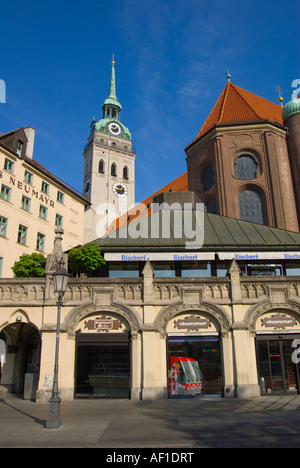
(171, 60)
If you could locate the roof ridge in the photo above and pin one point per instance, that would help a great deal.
(236, 88)
(226, 89)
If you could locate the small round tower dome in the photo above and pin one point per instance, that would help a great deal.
(291, 108)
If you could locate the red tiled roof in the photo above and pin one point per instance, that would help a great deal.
(143, 209)
(236, 105)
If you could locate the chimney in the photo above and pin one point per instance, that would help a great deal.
(30, 134)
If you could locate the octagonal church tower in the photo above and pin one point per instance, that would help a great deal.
(109, 168)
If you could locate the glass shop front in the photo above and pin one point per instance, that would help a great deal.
(103, 359)
(193, 358)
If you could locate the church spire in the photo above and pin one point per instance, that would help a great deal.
(111, 106)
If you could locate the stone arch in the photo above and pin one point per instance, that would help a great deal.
(79, 313)
(23, 353)
(217, 314)
(255, 312)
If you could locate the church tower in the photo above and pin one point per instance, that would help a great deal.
(109, 168)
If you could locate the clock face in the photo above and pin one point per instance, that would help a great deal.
(114, 128)
(87, 187)
(120, 190)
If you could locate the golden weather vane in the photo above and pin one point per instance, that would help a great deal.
(280, 99)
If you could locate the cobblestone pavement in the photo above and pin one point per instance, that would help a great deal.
(175, 424)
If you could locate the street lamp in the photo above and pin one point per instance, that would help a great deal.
(60, 280)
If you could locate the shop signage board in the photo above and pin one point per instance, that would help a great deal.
(250, 256)
(158, 256)
(103, 323)
(279, 321)
(192, 323)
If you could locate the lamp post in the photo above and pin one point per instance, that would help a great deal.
(60, 280)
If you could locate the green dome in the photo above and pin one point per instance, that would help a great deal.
(102, 126)
(291, 108)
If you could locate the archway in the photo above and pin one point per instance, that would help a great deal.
(277, 339)
(20, 369)
(103, 357)
(194, 350)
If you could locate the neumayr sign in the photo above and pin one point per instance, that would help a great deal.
(29, 190)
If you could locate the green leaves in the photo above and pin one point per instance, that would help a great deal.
(30, 266)
(86, 258)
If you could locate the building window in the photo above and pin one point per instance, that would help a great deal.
(22, 234)
(211, 206)
(9, 165)
(246, 167)
(58, 220)
(251, 207)
(101, 166)
(43, 212)
(60, 197)
(28, 177)
(25, 203)
(5, 193)
(207, 179)
(19, 148)
(125, 173)
(40, 242)
(45, 188)
(113, 172)
(1, 265)
(3, 226)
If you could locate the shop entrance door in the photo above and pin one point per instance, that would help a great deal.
(277, 372)
(203, 353)
(102, 366)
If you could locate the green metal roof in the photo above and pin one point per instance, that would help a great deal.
(220, 234)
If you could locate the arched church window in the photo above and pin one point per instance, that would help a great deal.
(246, 167)
(101, 166)
(211, 206)
(125, 173)
(113, 171)
(251, 206)
(207, 179)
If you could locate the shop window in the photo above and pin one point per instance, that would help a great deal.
(292, 269)
(264, 270)
(124, 270)
(164, 270)
(246, 167)
(251, 207)
(189, 270)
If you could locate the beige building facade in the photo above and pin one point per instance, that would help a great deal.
(33, 203)
(123, 335)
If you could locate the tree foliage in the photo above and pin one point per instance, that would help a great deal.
(85, 259)
(30, 266)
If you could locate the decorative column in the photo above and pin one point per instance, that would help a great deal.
(244, 356)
